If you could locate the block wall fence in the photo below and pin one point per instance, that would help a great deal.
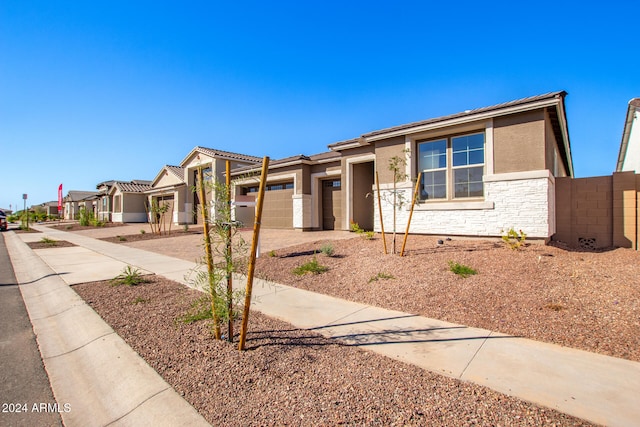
(598, 212)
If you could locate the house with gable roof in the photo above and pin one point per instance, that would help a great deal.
(122, 201)
(173, 186)
(482, 171)
(75, 200)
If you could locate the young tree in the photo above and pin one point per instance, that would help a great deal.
(397, 165)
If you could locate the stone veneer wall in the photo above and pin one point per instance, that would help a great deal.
(525, 204)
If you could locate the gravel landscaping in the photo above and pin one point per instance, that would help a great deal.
(290, 376)
(585, 300)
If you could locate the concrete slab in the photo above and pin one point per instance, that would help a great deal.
(80, 265)
(31, 237)
(107, 371)
(438, 346)
(96, 378)
(599, 388)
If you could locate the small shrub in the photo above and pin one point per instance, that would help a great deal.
(272, 253)
(186, 228)
(461, 269)
(130, 277)
(514, 239)
(312, 267)
(381, 276)
(354, 227)
(48, 241)
(122, 238)
(142, 232)
(139, 300)
(68, 227)
(200, 310)
(327, 249)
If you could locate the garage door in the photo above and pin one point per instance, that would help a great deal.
(277, 210)
(331, 204)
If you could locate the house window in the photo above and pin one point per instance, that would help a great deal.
(116, 203)
(452, 168)
(269, 187)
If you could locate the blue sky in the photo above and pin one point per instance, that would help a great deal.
(93, 91)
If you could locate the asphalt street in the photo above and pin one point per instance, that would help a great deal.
(25, 392)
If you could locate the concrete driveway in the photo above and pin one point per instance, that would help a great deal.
(189, 247)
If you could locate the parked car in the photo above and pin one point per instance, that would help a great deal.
(3, 223)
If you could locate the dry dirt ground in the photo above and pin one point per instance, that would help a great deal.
(585, 300)
(289, 376)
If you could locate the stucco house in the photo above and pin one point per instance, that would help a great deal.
(483, 172)
(122, 201)
(128, 200)
(75, 200)
(174, 184)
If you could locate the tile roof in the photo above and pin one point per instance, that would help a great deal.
(489, 109)
(132, 187)
(178, 171)
(76, 196)
(212, 152)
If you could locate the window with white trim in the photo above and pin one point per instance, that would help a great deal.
(452, 167)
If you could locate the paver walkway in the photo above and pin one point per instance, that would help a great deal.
(597, 388)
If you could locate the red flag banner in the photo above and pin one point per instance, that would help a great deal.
(60, 199)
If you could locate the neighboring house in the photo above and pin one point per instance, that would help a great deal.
(75, 200)
(629, 155)
(105, 202)
(484, 171)
(213, 164)
(128, 201)
(169, 188)
(50, 209)
(174, 185)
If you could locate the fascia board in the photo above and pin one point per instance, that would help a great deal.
(565, 136)
(462, 120)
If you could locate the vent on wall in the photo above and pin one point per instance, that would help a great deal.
(587, 243)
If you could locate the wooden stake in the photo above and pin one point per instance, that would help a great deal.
(207, 248)
(252, 255)
(228, 254)
(413, 203)
(384, 240)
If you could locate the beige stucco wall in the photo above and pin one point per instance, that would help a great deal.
(167, 179)
(385, 150)
(519, 142)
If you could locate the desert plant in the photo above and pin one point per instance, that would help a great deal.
(381, 276)
(272, 253)
(48, 241)
(312, 267)
(223, 242)
(514, 239)
(327, 249)
(461, 269)
(355, 227)
(130, 277)
(142, 231)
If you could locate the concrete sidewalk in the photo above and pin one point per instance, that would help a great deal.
(597, 388)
